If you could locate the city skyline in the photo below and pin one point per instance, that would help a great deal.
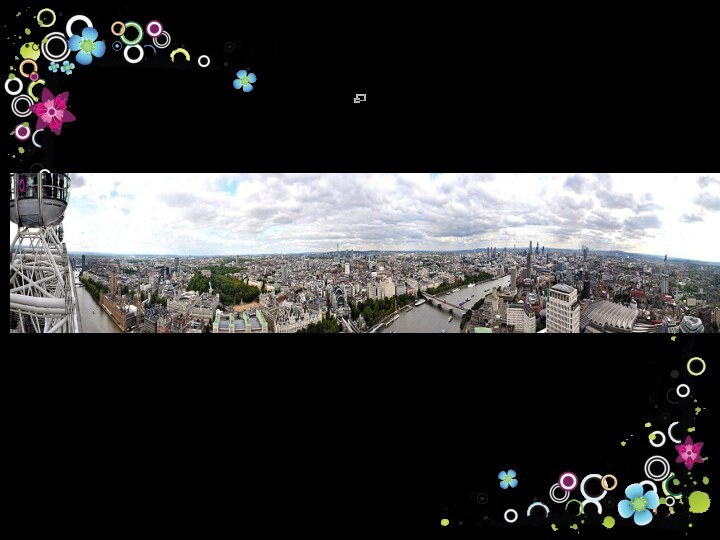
(226, 214)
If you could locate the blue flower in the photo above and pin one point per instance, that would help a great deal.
(507, 479)
(54, 67)
(639, 504)
(87, 46)
(67, 67)
(244, 80)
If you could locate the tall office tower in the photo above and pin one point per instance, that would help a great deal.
(237, 261)
(586, 288)
(138, 307)
(585, 253)
(522, 318)
(529, 262)
(83, 265)
(347, 268)
(177, 264)
(113, 282)
(563, 310)
(537, 248)
(666, 278)
(513, 279)
(547, 258)
(543, 250)
(706, 316)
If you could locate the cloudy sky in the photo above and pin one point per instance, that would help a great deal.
(195, 214)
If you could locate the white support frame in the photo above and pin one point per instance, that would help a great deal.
(42, 283)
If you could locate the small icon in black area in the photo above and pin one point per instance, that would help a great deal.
(359, 98)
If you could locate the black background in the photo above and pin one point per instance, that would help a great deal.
(319, 441)
(324, 444)
(450, 88)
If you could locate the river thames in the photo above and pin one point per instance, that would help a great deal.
(97, 322)
(429, 318)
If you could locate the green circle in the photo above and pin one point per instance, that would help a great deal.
(696, 373)
(444, 522)
(137, 27)
(39, 20)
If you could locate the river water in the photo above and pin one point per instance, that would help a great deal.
(431, 319)
(93, 323)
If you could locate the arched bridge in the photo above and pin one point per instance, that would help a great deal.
(448, 305)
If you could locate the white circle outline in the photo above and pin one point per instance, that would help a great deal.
(655, 477)
(46, 42)
(667, 501)
(166, 44)
(589, 501)
(533, 505)
(201, 57)
(18, 80)
(677, 390)
(20, 114)
(125, 54)
(664, 440)
(649, 483)
(505, 515)
(553, 498)
(673, 439)
(582, 488)
(71, 20)
(33, 138)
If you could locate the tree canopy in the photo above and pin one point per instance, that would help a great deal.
(326, 326)
(232, 291)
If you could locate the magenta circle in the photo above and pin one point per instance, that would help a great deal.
(21, 132)
(154, 29)
(568, 481)
(21, 184)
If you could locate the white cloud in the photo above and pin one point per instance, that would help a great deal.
(274, 212)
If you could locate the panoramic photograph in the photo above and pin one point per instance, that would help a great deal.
(364, 253)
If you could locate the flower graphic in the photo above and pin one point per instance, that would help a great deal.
(689, 453)
(639, 504)
(67, 67)
(87, 46)
(54, 66)
(52, 111)
(244, 80)
(508, 479)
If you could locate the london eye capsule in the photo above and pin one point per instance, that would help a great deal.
(38, 199)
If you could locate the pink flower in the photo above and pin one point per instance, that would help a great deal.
(689, 453)
(52, 111)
